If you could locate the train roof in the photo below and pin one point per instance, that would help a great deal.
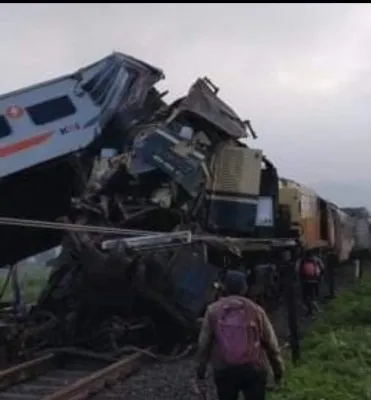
(125, 58)
(358, 212)
(305, 189)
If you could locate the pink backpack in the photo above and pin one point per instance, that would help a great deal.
(309, 269)
(237, 334)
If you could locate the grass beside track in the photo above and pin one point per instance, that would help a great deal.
(336, 352)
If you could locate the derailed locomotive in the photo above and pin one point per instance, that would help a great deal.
(183, 169)
(120, 157)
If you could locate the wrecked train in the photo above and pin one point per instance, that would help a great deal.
(50, 130)
(154, 199)
(182, 169)
(101, 148)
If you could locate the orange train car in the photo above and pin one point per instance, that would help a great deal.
(318, 223)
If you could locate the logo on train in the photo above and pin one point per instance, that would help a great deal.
(14, 112)
(70, 128)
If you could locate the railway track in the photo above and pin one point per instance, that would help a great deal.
(65, 377)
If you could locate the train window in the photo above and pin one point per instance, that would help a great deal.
(51, 110)
(99, 86)
(5, 129)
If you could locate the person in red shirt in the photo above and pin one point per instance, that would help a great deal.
(310, 271)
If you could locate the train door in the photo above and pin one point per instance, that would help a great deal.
(323, 220)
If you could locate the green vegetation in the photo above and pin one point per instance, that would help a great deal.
(336, 353)
(31, 283)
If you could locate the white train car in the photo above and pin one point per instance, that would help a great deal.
(49, 136)
(361, 229)
(49, 120)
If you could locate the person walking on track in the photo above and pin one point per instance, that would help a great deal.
(234, 336)
(310, 269)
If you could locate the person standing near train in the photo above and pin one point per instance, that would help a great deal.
(234, 336)
(310, 269)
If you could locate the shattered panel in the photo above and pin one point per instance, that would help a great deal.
(204, 103)
(176, 158)
(193, 281)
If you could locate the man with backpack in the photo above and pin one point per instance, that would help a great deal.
(310, 269)
(234, 336)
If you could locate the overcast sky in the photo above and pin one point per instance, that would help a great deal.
(301, 73)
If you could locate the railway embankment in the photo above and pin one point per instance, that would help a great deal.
(336, 351)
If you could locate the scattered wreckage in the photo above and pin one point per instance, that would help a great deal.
(152, 202)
